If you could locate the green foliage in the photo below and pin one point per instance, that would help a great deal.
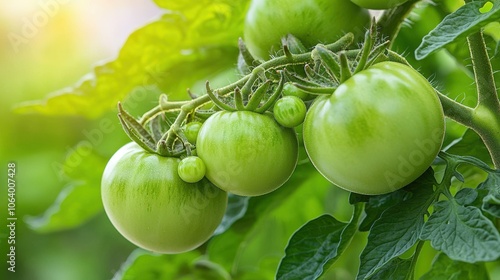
(81, 199)
(444, 268)
(236, 208)
(316, 245)
(491, 202)
(462, 233)
(396, 269)
(458, 25)
(376, 205)
(149, 266)
(264, 230)
(176, 50)
(76, 204)
(469, 144)
(398, 228)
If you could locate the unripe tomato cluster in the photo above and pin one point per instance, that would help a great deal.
(377, 132)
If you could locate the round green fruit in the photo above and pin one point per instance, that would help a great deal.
(247, 153)
(191, 169)
(310, 21)
(191, 131)
(289, 111)
(379, 130)
(152, 207)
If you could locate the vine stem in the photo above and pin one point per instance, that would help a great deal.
(486, 118)
(414, 260)
(185, 107)
(484, 122)
(455, 110)
(151, 114)
(391, 20)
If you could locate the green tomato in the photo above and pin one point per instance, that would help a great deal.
(191, 131)
(191, 169)
(153, 208)
(290, 90)
(289, 111)
(378, 4)
(310, 21)
(247, 153)
(377, 132)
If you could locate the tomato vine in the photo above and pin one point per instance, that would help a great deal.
(320, 71)
(354, 113)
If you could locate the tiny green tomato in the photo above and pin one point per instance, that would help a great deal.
(191, 169)
(290, 111)
(191, 131)
(290, 90)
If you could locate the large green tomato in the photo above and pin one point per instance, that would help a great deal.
(247, 153)
(379, 4)
(377, 132)
(311, 21)
(153, 208)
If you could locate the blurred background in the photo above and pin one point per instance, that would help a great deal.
(46, 45)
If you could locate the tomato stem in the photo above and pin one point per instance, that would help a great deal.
(257, 96)
(391, 20)
(345, 71)
(414, 259)
(161, 108)
(328, 60)
(274, 96)
(238, 100)
(370, 36)
(486, 117)
(455, 110)
(483, 72)
(246, 90)
(247, 57)
(167, 144)
(484, 122)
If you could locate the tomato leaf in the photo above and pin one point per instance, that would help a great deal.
(202, 6)
(491, 202)
(236, 209)
(170, 53)
(468, 197)
(396, 269)
(398, 228)
(267, 225)
(466, 20)
(469, 144)
(444, 268)
(317, 244)
(462, 232)
(376, 205)
(310, 248)
(356, 198)
(81, 199)
(76, 204)
(150, 266)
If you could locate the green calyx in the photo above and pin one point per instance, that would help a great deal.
(315, 72)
